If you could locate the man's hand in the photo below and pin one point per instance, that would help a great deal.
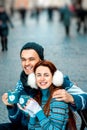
(63, 95)
(5, 99)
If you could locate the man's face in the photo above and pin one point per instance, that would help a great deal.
(28, 60)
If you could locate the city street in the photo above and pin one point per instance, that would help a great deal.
(68, 53)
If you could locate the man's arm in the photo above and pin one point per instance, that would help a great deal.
(13, 111)
(72, 94)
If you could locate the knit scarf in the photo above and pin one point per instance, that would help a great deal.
(29, 91)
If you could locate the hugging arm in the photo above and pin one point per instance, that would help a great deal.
(71, 94)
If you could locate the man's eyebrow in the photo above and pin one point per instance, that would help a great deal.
(22, 57)
(27, 58)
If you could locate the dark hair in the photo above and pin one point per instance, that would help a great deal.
(35, 46)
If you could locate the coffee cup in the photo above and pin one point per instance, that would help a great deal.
(13, 97)
(23, 100)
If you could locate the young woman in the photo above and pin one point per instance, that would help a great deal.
(46, 112)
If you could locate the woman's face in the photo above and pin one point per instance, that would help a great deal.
(43, 77)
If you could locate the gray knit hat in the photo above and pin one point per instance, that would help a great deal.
(32, 45)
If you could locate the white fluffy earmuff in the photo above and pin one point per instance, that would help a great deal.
(32, 81)
(57, 78)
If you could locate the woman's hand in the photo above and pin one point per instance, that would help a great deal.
(32, 107)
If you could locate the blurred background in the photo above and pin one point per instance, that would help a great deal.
(14, 5)
(60, 26)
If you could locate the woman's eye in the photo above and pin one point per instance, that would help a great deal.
(38, 75)
(46, 75)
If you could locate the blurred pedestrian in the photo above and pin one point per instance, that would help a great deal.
(4, 29)
(12, 8)
(37, 7)
(81, 15)
(50, 13)
(22, 7)
(50, 9)
(67, 14)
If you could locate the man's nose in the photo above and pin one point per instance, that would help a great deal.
(27, 62)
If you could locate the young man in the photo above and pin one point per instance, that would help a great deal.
(30, 54)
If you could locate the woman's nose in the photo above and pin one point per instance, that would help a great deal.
(42, 77)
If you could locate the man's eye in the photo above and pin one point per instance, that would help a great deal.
(22, 59)
(31, 59)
